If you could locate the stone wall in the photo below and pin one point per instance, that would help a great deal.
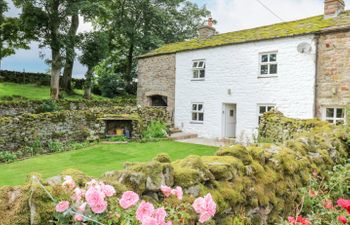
(156, 76)
(13, 108)
(16, 132)
(333, 66)
(259, 184)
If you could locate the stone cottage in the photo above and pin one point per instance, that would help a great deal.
(218, 85)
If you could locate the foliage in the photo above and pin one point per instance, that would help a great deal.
(49, 105)
(156, 129)
(120, 138)
(6, 156)
(55, 146)
(136, 27)
(11, 34)
(319, 202)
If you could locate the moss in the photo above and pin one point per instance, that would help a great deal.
(238, 151)
(162, 158)
(79, 177)
(186, 177)
(287, 29)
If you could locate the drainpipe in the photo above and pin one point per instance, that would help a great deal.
(317, 41)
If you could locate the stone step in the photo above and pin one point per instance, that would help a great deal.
(174, 130)
(182, 136)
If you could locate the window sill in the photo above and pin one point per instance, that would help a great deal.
(201, 79)
(196, 122)
(267, 76)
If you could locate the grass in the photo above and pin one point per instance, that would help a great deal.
(34, 92)
(97, 159)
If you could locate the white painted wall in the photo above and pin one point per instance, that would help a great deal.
(236, 67)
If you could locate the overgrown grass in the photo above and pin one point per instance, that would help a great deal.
(97, 159)
(34, 92)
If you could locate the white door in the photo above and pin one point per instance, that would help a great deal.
(230, 120)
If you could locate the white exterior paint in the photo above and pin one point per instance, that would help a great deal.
(236, 67)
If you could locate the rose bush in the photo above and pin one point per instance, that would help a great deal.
(93, 203)
(325, 200)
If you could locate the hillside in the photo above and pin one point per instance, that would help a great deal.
(34, 92)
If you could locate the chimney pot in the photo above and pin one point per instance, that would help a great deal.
(333, 8)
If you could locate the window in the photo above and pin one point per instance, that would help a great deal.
(198, 70)
(197, 112)
(268, 64)
(265, 108)
(335, 115)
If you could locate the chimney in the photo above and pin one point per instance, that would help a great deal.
(206, 31)
(333, 8)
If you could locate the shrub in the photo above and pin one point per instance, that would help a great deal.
(156, 129)
(55, 146)
(6, 156)
(49, 106)
(120, 138)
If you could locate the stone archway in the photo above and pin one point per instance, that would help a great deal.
(158, 100)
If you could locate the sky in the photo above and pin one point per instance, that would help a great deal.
(231, 15)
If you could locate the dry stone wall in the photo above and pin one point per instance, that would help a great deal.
(16, 132)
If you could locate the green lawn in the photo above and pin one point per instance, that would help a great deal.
(97, 159)
(33, 91)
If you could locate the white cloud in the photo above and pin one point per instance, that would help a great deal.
(241, 14)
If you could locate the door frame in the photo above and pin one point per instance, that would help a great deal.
(223, 113)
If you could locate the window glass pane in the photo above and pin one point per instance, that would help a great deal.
(264, 69)
(273, 57)
(202, 74)
(200, 107)
(201, 64)
(201, 116)
(339, 122)
(264, 58)
(340, 113)
(195, 64)
(330, 121)
(262, 109)
(273, 69)
(231, 113)
(195, 73)
(330, 112)
(194, 116)
(194, 107)
(270, 108)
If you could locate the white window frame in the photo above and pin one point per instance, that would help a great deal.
(334, 119)
(266, 108)
(196, 68)
(197, 112)
(268, 64)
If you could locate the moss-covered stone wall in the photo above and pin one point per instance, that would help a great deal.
(14, 108)
(257, 184)
(17, 132)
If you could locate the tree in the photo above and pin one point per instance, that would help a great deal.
(95, 48)
(47, 21)
(11, 35)
(138, 26)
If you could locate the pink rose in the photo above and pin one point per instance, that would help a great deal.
(166, 190)
(128, 199)
(205, 207)
(159, 215)
(108, 190)
(82, 207)
(145, 210)
(78, 194)
(178, 192)
(68, 183)
(343, 219)
(149, 221)
(95, 199)
(78, 218)
(62, 206)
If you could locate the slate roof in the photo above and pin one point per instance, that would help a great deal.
(305, 26)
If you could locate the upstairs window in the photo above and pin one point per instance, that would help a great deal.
(268, 64)
(335, 115)
(198, 70)
(197, 112)
(265, 108)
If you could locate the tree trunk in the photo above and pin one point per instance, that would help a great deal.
(55, 52)
(130, 57)
(88, 84)
(70, 55)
